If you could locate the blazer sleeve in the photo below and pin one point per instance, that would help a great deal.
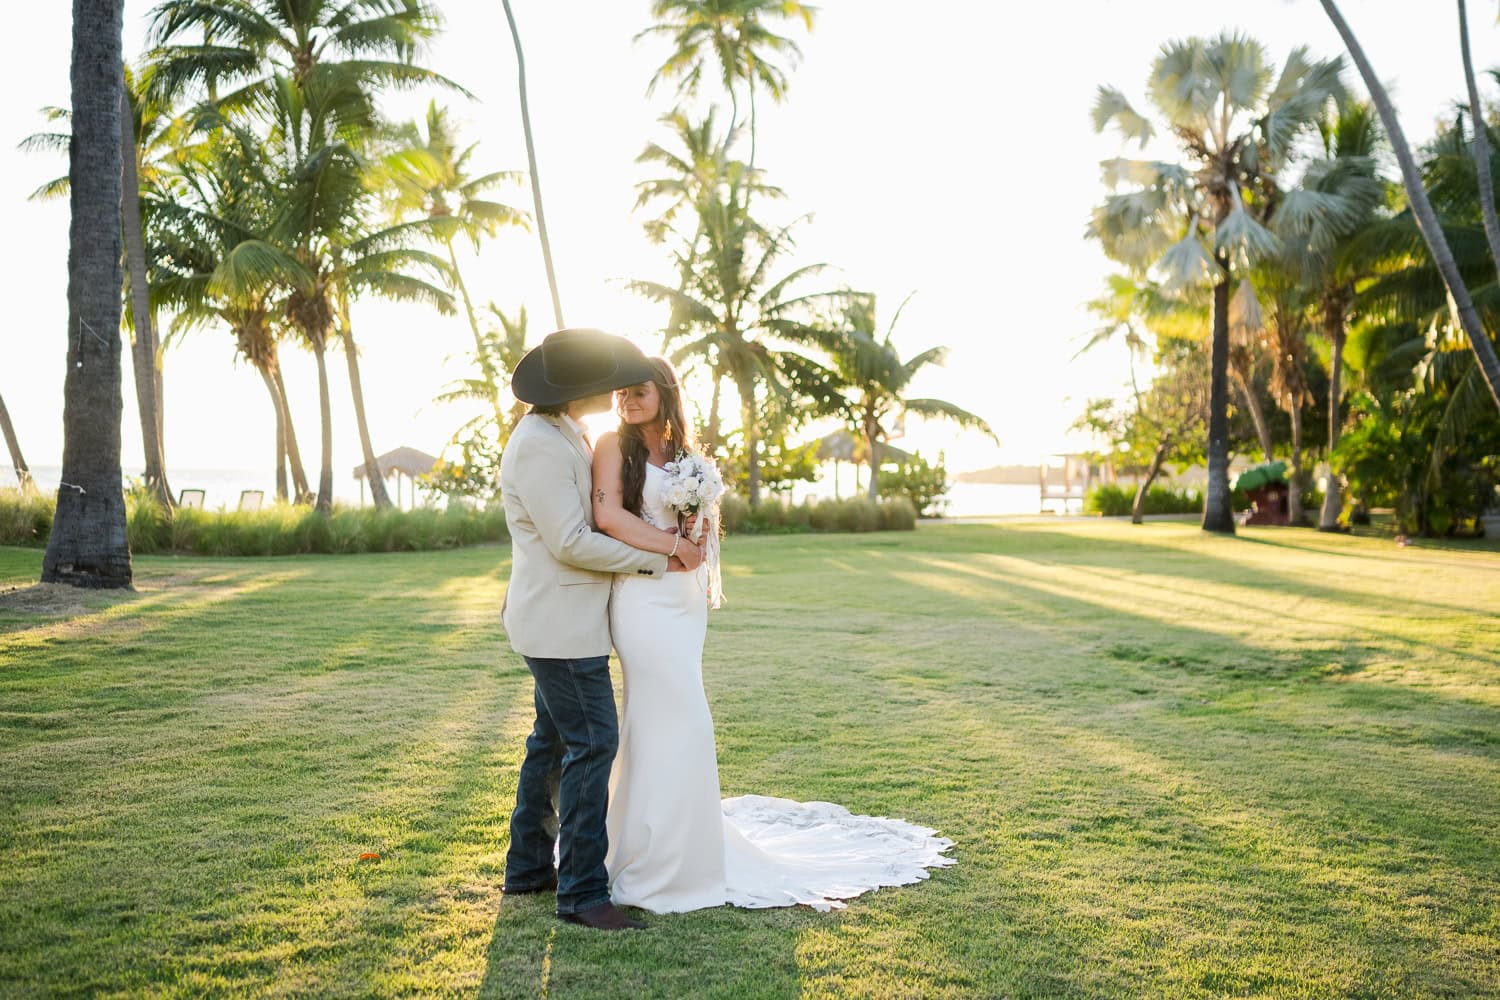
(549, 492)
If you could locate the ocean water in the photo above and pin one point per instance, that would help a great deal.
(221, 487)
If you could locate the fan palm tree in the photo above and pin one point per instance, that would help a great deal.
(873, 381)
(736, 318)
(732, 34)
(1422, 210)
(431, 179)
(1319, 223)
(1201, 221)
(88, 546)
(13, 445)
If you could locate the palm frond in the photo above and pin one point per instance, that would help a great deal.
(941, 409)
(1112, 106)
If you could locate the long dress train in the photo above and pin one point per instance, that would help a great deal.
(673, 844)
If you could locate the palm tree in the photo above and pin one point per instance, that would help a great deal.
(13, 445)
(148, 137)
(731, 33)
(311, 71)
(536, 177)
(1236, 130)
(1319, 223)
(226, 270)
(735, 317)
(88, 546)
(1422, 210)
(431, 180)
(1286, 344)
(873, 381)
(382, 263)
(1481, 146)
(693, 178)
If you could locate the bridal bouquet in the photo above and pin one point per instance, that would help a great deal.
(694, 486)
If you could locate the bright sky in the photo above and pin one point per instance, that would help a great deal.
(950, 154)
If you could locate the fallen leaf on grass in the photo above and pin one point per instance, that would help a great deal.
(369, 856)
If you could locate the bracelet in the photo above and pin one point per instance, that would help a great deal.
(676, 541)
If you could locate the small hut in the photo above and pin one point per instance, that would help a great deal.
(407, 462)
(842, 446)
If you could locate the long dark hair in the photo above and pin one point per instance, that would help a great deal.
(633, 443)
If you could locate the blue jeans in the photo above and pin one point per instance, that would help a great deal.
(568, 757)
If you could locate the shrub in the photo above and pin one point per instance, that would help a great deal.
(1114, 500)
(924, 485)
(857, 514)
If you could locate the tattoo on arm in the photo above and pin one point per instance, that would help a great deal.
(599, 496)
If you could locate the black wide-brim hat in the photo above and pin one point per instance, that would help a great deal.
(576, 363)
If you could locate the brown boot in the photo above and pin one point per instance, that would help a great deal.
(604, 917)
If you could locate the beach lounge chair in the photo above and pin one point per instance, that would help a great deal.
(192, 499)
(250, 500)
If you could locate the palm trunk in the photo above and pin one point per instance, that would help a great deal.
(752, 450)
(281, 493)
(870, 442)
(536, 181)
(1426, 218)
(491, 377)
(143, 351)
(1294, 499)
(356, 390)
(1257, 414)
(324, 503)
(23, 473)
(1159, 456)
(293, 453)
(1333, 499)
(713, 413)
(88, 546)
(1481, 144)
(1218, 511)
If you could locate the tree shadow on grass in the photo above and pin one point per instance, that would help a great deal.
(1241, 834)
(1194, 562)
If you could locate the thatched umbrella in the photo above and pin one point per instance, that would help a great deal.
(842, 446)
(404, 461)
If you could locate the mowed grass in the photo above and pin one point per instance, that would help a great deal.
(1174, 765)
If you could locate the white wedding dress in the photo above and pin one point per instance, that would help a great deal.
(673, 845)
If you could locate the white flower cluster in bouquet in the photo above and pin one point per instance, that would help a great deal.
(694, 486)
(693, 483)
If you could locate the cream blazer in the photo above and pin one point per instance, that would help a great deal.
(557, 603)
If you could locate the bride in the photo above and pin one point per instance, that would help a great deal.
(673, 845)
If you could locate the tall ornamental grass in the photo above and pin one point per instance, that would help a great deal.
(284, 530)
(277, 530)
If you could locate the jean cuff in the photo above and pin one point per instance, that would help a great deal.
(567, 909)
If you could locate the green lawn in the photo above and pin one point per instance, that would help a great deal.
(1175, 766)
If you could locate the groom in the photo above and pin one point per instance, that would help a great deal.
(557, 616)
